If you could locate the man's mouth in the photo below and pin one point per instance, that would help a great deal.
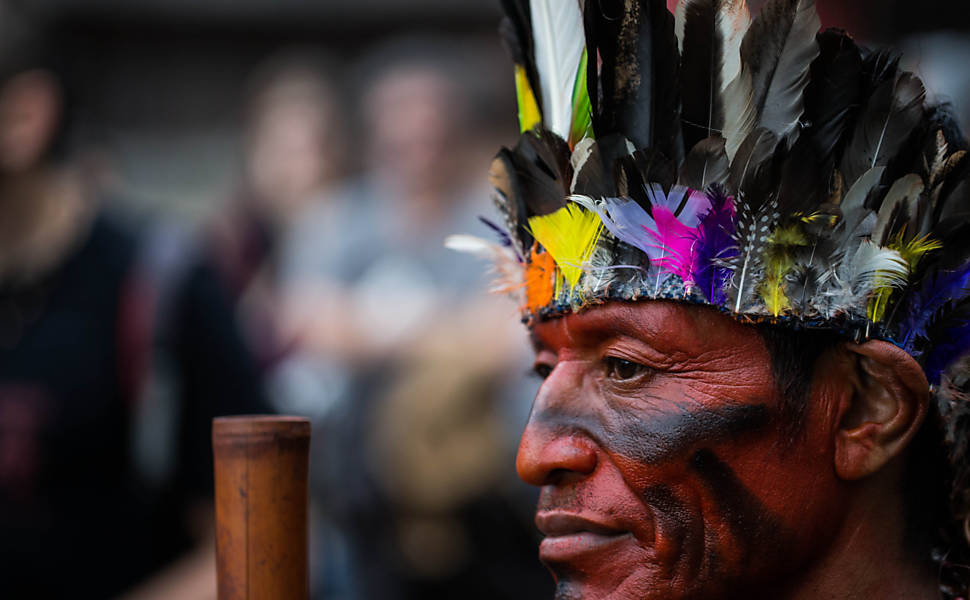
(570, 536)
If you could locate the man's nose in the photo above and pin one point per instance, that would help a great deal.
(551, 447)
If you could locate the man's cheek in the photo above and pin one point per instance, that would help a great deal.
(679, 534)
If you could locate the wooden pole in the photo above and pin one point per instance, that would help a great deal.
(261, 472)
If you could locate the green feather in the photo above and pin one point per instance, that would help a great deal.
(582, 125)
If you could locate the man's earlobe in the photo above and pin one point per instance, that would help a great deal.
(887, 406)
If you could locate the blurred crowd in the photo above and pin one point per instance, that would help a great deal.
(316, 286)
(319, 287)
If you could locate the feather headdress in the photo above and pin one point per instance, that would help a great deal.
(752, 163)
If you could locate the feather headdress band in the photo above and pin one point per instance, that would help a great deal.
(756, 165)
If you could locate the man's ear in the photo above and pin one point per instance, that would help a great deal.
(888, 402)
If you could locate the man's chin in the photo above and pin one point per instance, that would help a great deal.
(628, 586)
(603, 567)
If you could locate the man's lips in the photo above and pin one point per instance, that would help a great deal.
(558, 524)
(570, 536)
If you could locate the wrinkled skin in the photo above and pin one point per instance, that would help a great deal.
(665, 470)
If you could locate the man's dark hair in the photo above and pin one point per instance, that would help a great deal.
(794, 354)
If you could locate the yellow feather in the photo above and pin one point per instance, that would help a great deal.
(914, 250)
(911, 252)
(529, 115)
(779, 261)
(570, 236)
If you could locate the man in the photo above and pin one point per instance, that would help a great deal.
(742, 250)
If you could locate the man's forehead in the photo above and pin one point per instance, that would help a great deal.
(660, 323)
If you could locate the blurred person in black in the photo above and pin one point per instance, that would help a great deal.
(104, 478)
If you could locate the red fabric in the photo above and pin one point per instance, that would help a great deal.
(135, 329)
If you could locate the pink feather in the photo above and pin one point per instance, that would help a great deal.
(677, 236)
(677, 243)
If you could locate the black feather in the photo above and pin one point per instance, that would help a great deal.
(776, 56)
(804, 185)
(702, 67)
(636, 92)
(834, 94)
(706, 164)
(633, 182)
(878, 67)
(755, 170)
(541, 164)
(955, 236)
(654, 167)
(941, 117)
(512, 41)
(890, 121)
(516, 31)
(591, 177)
(510, 198)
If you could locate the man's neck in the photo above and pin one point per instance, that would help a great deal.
(869, 558)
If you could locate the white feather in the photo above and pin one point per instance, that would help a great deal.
(733, 20)
(559, 39)
(871, 259)
(680, 23)
(469, 244)
(508, 271)
(581, 153)
(859, 274)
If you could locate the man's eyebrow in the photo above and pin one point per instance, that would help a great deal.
(602, 329)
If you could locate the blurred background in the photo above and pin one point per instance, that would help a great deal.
(212, 207)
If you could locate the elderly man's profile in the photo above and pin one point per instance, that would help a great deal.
(741, 248)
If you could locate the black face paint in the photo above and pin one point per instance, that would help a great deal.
(678, 524)
(749, 520)
(660, 437)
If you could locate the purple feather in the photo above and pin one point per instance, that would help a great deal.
(938, 318)
(925, 305)
(627, 221)
(504, 237)
(948, 347)
(715, 237)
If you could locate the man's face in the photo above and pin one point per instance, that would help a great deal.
(657, 439)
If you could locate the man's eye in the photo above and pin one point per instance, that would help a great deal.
(542, 370)
(620, 369)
